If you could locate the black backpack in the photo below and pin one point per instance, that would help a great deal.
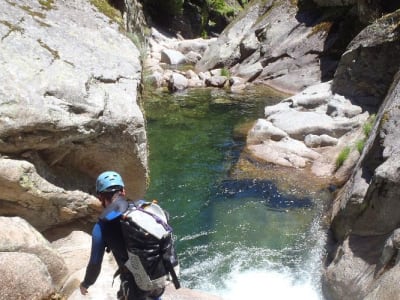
(150, 245)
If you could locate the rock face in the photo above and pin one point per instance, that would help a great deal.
(276, 43)
(363, 257)
(378, 46)
(68, 110)
(365, 214)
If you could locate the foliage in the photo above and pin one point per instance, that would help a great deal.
(343, 155)
(367, 128)
(220, 6)
(384, 119)
(107, 9)
(360, 145)
(46, 4)
(33, 13)
(225, 72)
(323, 27)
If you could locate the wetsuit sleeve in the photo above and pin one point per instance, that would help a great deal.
(96, 257)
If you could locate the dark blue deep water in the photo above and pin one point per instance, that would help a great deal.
(235, 238)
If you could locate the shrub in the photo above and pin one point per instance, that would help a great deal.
(46, 4)
(343, 155)
(107, 9)
(360, 145)
(367, 128)
(225, 72)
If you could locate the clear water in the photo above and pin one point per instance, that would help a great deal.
(239, 239)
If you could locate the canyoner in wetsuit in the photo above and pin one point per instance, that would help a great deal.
(107, 235)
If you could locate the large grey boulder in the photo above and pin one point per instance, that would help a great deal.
(177, 82)
(68, 106)
(28, 260)
(27, 194)
(172, 57)
(24, 276)
(298, 124)
(370, 62)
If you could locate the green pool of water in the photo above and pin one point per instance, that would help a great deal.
(227, 228)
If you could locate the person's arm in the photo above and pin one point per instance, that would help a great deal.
(96, 257)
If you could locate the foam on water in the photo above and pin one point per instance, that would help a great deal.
(263, 284)
(268, 279)
(260, 273)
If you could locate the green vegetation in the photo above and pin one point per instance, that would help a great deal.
(46, 4)
(367, 128)
(360, 145)
(26, 182)
(384, 119)
(107, 9)
(220, 6)
(343, 155)
(225, 72)
(324, 27)
(33, 13)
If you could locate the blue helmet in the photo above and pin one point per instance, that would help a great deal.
(109, 179)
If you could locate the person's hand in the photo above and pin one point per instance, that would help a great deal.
(84, 290)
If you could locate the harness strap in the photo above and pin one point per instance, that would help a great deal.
(170, 269)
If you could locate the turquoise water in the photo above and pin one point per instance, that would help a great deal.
(234, 237)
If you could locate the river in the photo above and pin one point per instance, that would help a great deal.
(236, 238)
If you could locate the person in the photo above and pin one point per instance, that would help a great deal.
(107, 236)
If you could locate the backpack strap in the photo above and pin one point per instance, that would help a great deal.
(171, 270)
(141, 205)
(157, 218)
